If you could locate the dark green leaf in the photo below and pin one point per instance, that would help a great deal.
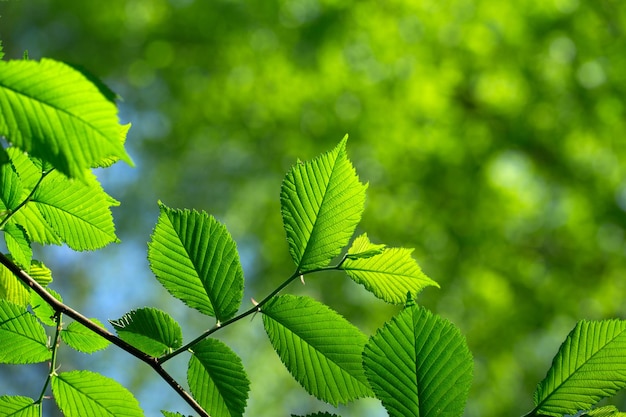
(217, 379)
(150, 330)
(321, 204)
(23, 338)
(321, 349)
(590, 365)
(85, 393)
(54, 112)
(196, 260)
(419, 365)
(82, 339)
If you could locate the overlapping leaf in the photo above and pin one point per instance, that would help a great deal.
(389, 274)
(53, 111)
(217, 379)
(10, 187)
(12, 289)
(590, 365)
(18, 245)
(321, 204)
(42, 310)
(196, 260)
(23, 338)
(321, 349)
(79, 337)
(18, 406)
(419, 365)
(150, 330)
(86, 393)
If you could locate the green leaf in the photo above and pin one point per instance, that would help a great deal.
(18, 406)
(321, 203)
(79, 213)
(606, 411)
(82, 339)
(590, 365)
(419, 365)
(362, 248)
(172, 414)
(23, 338)
(18, 245)
(42, 310)
(149, 330)
(389, 275)
(321, 349)
(40, 273)
(217, 379)
(54, 112)
(194, 257)
(10, 187)
(85, 393)
(320, 414)
(1, 51)
(12, 288)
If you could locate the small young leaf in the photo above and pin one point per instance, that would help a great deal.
(320, 414)
(196, 260)
(82, 339)
(150, 330)
(321, 349)
(419, 365)
(217, 379)
(606, 411)
(590, 365)
(362, 248)
(389, 275)
(41, 309)
(23, 338)
(52, 111)
(78, 212)
(172, 414)
(12, 289)
(85, 393)
(18, 245)
(18, 406)
(40, 273)
(321, 204)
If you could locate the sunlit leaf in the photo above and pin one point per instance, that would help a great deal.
(196, 260)
(321, 204)
(321, 349)
(18, 245)
(41, 309)
(86, 393)
(419, 365)
(217, 379)
(78, 211)
(389, 275)
(82, 339)
(12, 289)
(362, 248)
(590, 365)
(40, 272)
(10, 187)
(54, 112)
(606, 411)
(149, 330)
(172, 414)
(18, 406)
(320, 414)
(23, 338)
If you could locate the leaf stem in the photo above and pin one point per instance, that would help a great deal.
(61, 308)
(53, 359)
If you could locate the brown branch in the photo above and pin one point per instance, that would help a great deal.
(59, 307)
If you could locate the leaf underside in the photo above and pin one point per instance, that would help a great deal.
(321, 203)
(321, 349)
(150, 330)
(419, 364)
(196, 260)
(82, 339)
(590, 365)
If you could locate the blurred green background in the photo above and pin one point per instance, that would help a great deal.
(492, 135)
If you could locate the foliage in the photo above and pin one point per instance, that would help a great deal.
(417, 364)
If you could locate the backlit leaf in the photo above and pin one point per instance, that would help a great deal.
(18, 245)
(362, 248)
(196, 260)
(12, 289)
(419, 365)
(389, 275)
(150, 330)
(82, 339)
(86, 393)
(321, 349)
(590, 365)
(321, 204)
(217, 379)
(10, 187)
(18, 406)
(54, 112)
(23, 338)
(41, 309)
